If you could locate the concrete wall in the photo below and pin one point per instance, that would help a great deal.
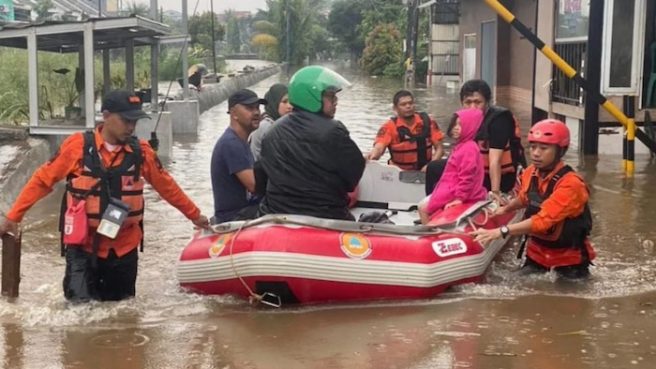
(472, 14)
(515, 81)
(184, 116)
(514, 72)
(214, 94)
(164, 132)
(543, 67)
(27, 155)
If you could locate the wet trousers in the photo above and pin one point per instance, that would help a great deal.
(112, 279)
(578, 271)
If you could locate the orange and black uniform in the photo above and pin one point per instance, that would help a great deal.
(557, 204)
(69, 163)
(410, 146)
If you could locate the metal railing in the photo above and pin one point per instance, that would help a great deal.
(565, 90)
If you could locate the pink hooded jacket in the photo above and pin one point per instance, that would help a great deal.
(463, 176)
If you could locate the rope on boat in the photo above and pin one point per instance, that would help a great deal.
(253, 297)
(331, 224)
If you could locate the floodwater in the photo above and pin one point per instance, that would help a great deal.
(508, 322)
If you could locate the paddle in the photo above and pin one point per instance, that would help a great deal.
(11, 254)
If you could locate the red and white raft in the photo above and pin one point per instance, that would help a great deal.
(301, 259)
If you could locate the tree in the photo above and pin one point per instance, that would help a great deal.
(140, 9)
(266, 44)
(264, 26)
(200, 31)
(383, 53)
(232, 30)
(383, 12)
(42, 9)
(343, 22)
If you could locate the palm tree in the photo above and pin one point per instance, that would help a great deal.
(135, 8)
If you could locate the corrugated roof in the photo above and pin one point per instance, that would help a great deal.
(88, 7)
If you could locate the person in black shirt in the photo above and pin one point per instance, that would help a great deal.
(498, 139)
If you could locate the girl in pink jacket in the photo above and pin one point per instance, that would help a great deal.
(462, 180)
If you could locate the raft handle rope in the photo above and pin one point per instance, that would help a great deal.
(253, 297)
(330, 224)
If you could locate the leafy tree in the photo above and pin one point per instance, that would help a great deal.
(266, 44)
(42, 9)
(383, 53)
(140, 9)
(343, 22)
(200, 30)
(264, 26)
(302, 15)
(234, 39)
(383, 12)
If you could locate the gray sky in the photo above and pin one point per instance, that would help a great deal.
(204, 5)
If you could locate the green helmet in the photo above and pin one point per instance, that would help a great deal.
(307, 85)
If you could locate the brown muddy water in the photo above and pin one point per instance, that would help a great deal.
(508, 322)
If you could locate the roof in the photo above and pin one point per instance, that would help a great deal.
(108, 33)
(89, 7)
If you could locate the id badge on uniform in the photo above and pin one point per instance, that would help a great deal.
(113, 218)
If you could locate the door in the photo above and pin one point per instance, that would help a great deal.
(469, 57)
(489, 52)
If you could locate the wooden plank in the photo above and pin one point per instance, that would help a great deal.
(11, 255)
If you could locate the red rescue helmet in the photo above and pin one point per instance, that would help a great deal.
(551, 132)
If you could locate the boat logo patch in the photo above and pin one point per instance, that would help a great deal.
(449, 247)
(355, 245)
(220, 244)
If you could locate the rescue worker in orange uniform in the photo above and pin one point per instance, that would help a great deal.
(106, 169)
(557, 217)
(413, 139)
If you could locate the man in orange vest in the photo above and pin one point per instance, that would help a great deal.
(413, 139)
(557, 217)
(105, 171)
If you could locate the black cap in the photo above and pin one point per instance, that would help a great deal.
(127, 104)
(245, 97)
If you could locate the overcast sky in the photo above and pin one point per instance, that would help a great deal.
(204, 5)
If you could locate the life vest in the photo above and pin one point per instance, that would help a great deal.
(570, 233)
(96, 183)
(513, 153)
(412, 152)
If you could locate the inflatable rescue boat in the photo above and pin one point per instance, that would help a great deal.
(300, 259)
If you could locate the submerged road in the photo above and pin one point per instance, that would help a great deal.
(508, 322)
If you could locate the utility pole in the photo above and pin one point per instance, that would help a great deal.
(185, 57)
(213, 40)
(411, 38)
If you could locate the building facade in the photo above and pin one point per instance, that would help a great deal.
(612, 43)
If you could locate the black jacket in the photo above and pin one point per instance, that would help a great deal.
(310, 164)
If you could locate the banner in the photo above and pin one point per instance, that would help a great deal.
(7, 10)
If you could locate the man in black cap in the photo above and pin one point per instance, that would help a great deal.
(102, 211)
(233, 180)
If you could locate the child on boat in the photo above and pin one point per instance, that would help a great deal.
(462, 180)
(557, 217)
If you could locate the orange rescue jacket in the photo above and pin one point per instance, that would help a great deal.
(557, 204)
(69, 162)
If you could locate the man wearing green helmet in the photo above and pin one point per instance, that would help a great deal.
(308, 160)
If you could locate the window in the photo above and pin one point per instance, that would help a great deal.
(572, 20)
(623, 46)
